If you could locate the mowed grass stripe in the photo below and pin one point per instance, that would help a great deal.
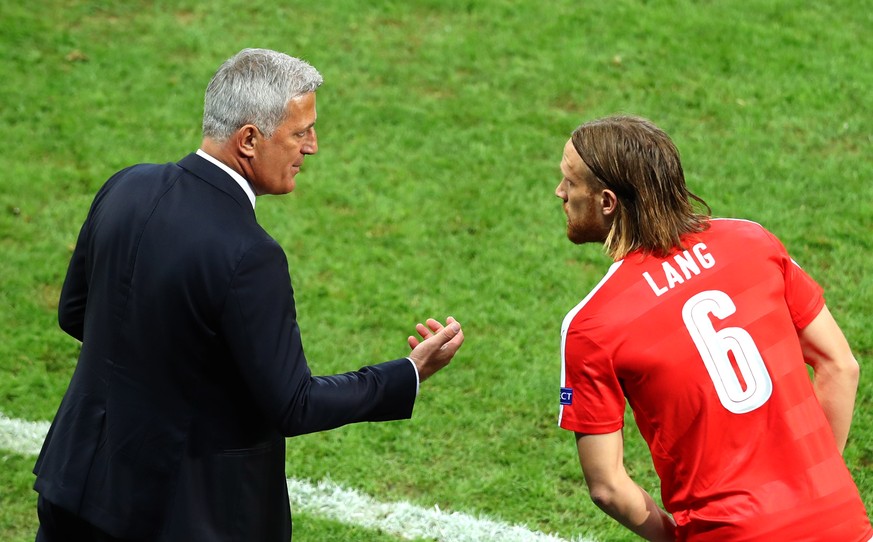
(332, 501)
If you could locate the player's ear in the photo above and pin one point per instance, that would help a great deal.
(608, 202)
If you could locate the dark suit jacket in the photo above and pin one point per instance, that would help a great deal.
(191, 371)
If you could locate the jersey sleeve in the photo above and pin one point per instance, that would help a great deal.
(592, 400)
(803, 295)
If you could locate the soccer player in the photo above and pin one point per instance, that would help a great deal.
(705, 326)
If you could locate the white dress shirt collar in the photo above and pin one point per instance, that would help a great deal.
(244, 184)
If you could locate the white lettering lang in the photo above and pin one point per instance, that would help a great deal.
(706, 260)
(673, 278)
(658, 291)
(689, 264)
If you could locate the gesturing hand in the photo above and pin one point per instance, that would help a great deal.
(437, 347)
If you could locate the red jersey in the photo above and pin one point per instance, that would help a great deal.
(703, 345)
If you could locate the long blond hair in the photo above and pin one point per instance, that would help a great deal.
(640, 164)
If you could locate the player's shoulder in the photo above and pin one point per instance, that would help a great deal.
(592, 302)
(741, 231)
(739, 225)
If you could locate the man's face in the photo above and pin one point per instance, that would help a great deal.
(277, 160)
(582, 199)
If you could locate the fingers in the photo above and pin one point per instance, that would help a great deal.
(444, 335)
(432, 328)
(437, 346)
(426, 332)
(423, 331)
(456, 340)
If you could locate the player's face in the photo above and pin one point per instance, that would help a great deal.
(579, 191)
(277, 160)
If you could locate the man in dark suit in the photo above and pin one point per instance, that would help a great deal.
(192, 371)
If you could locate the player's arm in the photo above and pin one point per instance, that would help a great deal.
(613, 491)
(835, 369)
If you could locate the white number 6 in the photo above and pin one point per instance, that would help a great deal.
(715, 347)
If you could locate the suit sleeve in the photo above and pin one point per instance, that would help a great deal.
(259, 322)
(74, 293)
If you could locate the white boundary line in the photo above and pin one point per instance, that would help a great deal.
(329, 500)
(21, 436)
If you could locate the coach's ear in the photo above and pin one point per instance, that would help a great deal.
(246, 139)
(608, 202)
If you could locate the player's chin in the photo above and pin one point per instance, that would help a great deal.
(578, 235)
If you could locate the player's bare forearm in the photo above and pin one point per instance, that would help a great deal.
(613, 491)
(634, 508)
(836, 389)
(836, 372)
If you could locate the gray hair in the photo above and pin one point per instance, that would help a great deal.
(254, 87)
